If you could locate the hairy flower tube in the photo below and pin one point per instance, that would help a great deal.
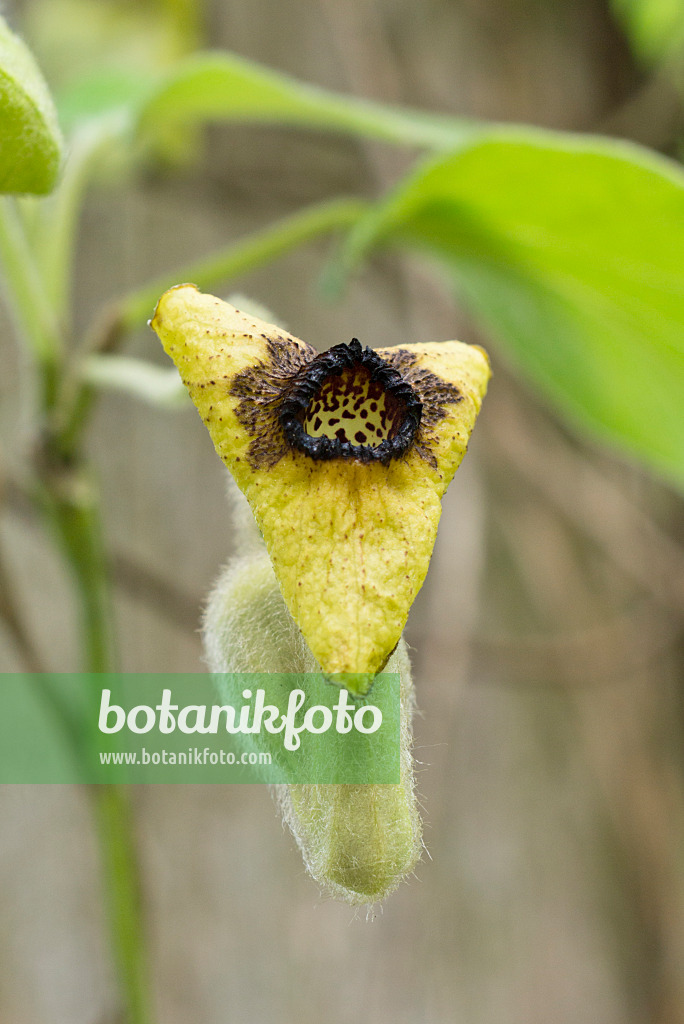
(358, 841)
(343, 457)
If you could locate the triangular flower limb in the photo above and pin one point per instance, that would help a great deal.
(343, 457)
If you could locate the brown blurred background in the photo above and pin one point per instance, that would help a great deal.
(547, 640)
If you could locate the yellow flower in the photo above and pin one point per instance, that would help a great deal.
(343, 457)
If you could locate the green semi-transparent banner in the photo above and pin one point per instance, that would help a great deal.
(197, 728)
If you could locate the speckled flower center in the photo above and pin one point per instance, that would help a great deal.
(352, 407)
(349, 403)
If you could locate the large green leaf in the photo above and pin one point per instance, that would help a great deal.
(30, 141)
(570, 252)
(224, 86)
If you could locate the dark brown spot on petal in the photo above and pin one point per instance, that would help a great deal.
(434, 392)
(260, 390)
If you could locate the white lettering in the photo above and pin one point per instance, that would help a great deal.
(105, 710)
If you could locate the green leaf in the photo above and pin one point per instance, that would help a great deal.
(223, 86)
(30, 140)
(569, 251)
(654, 27)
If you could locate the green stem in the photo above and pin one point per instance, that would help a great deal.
(241, 257)
(124, 899)
(59, 213)
(71, 503)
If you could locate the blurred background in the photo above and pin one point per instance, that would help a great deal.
(546, 642)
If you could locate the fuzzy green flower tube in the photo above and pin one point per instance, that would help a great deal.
(358, 841)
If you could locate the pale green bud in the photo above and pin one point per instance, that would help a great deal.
(358, 841)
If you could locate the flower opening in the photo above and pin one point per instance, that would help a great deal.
(349, 403)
